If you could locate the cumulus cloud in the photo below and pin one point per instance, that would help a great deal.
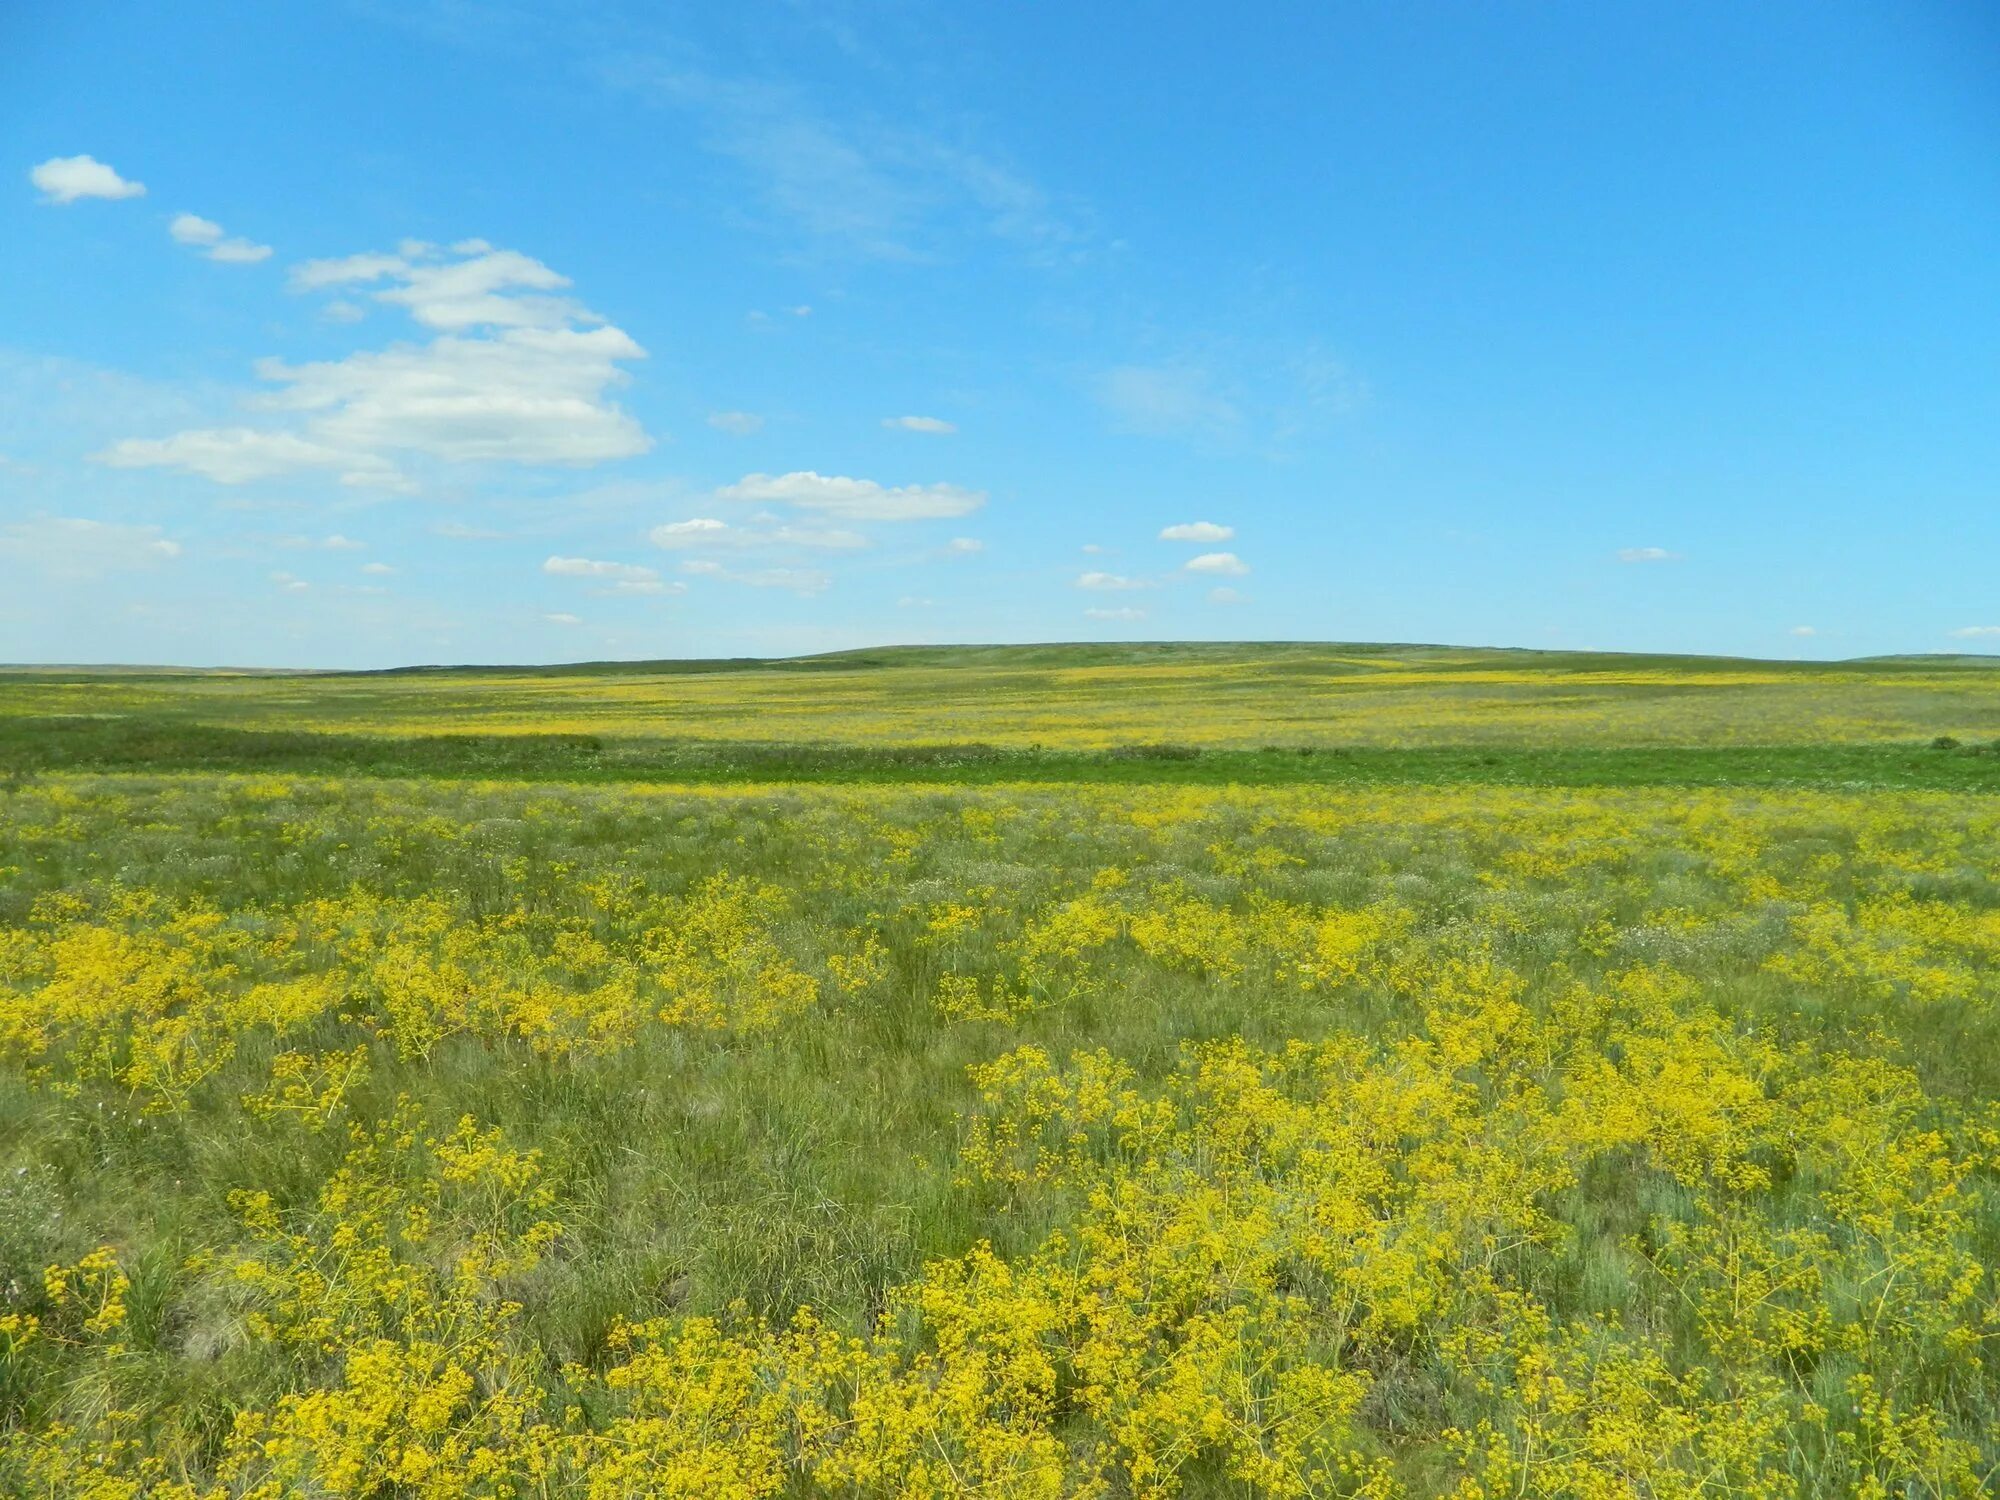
(1197, 531)
(936, 425)
(291, 583)
(584, 567)
(514, 376)
(797, 580)
(1804, 630)
(854, 499)
(1110, 581)
(1647, 555)
(1226, 564)
(736, 423)
(1976, 633)
(69, 547)
(964, 546)
(705, 533)
(1115, 614)
(1225, 595)
(339, 543)
(65, 179)
(377, 569)
(562, 617)
(526, 395)
(207, 236)
(193, 229)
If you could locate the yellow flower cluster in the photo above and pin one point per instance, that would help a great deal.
(1287, 1143)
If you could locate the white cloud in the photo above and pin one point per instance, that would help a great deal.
(561, 617)
(1226, 595)
(1976, 632)
(854, 499)
(1804, 630)
(68, 547)
(314, 275)
(458, 531)
(513, 378)
(1227, 564)
(1094, 550)
(964, 546)
(1197, 531)
(340, 310)
(65, 179)
(798, 580)
(912, 601)
(584, 567)
(736, 423)
(291, 583)
(1110, 581)
(1115, 614)
(1647, 555)
(193, 229)
(705, 533)
(857, 186)
(339, 543)
(207, 235)
(936, 425)
(238, 455)
(485, 288)
(1161, 400)
(526, 395)
(378, 569)
(236, 251)
(702, 529)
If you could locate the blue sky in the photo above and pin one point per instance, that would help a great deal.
(364, 334)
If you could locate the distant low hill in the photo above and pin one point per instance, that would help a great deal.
(1081, 697)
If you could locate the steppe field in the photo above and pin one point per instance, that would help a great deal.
(1043, 1072)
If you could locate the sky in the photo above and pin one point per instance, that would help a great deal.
(365, 334)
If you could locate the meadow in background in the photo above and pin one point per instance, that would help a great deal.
(1009, 1123)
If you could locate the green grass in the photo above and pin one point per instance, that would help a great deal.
(29, 745)
(1089, 698)
(816, 1162)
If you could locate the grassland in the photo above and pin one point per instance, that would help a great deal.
(484, 1084)
(1097, 698)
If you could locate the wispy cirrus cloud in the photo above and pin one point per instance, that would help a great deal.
(71, 547)
(1111, 582)
(1165, 400)
(706, 533)
(794, 580)
(853, 499)
(857, 188)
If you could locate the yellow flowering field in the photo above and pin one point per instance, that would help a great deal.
(1238, 696)
(431, 1139)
